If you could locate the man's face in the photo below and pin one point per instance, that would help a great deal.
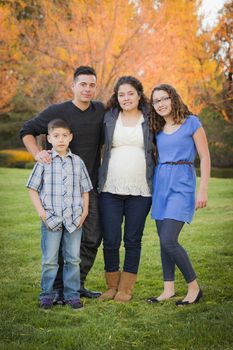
(84, 87)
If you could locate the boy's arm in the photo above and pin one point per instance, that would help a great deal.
(37, 203)
(85, 198)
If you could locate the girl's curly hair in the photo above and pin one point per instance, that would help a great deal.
(179, 110)
(113, 101)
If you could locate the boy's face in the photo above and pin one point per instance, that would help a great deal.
(60, 139)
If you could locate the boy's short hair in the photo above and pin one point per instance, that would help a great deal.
(58, 123)
(86, 70)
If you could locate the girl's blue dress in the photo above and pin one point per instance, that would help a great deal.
(174, 185)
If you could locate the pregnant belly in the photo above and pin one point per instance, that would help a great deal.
(129, 161)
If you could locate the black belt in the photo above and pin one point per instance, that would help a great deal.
(180, 162)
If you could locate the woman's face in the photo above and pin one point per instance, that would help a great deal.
(162, 103)
(128, 97)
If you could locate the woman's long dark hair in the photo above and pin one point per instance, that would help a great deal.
(113, 101)
(179, 110)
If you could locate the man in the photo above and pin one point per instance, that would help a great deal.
(85, 118)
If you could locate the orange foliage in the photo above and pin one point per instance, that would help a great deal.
(8, 39)
(43, 42)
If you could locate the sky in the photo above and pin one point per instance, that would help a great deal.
(210, 10)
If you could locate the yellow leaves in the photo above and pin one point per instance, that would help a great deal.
(17, 154)
(22, 4)
(117, 37)
(16, 55)
(8, 29)
(61, 53)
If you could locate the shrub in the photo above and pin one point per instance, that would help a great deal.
(16, 159)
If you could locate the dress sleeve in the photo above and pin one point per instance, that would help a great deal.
(36, 178)
(195, 124)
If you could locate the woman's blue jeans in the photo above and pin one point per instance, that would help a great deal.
(50, 242)
(113, 209)
(172, 253)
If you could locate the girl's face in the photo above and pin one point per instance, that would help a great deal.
(162, 103)
(128, 97)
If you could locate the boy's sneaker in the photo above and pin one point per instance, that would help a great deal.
(75, 304)
(46, 303)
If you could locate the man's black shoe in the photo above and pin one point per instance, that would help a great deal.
(58, 298)
(86, 293)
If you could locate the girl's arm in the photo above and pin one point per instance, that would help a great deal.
(85, 197)
(37, 203)
(204, 155)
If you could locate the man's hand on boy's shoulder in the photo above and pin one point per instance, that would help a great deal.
(82, 219)
(43, 157)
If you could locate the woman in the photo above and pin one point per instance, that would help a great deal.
(178, 135)
(125, 183)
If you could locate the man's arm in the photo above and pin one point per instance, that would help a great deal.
(30, 143)
(34, 127)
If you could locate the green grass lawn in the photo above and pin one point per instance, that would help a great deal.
(107, 325)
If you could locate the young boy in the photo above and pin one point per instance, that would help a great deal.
(59, 192)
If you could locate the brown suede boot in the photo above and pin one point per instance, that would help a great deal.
(112, 281)
(125, 287)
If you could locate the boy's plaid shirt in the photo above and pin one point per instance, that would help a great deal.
(60, 185)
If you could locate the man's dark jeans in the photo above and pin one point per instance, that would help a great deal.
(91, 239)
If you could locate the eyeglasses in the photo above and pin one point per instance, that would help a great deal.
(163, 99)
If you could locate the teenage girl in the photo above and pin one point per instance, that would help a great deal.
(179, 134)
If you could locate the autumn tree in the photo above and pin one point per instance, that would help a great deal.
(219, 93)
(157, 41)
(59, 36)
(9, 57)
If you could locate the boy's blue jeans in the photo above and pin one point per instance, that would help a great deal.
(50, 242)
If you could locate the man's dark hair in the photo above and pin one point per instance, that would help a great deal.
(84, 70)
(58, 123)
